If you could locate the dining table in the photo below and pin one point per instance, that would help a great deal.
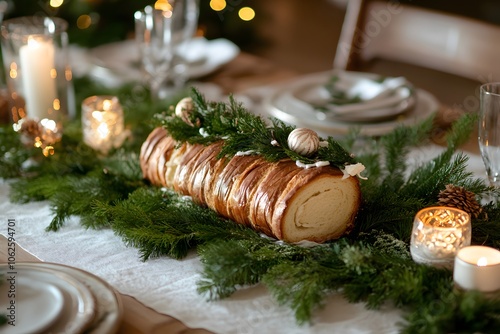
(159, 295)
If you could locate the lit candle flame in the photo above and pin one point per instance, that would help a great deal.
(482, 261)
(103, 130)
(97, 115)
(106, 105)
(32, 41)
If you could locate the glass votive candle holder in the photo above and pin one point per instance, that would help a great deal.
(103, 123)
(38, 76)
(438, 234)
(477, 268)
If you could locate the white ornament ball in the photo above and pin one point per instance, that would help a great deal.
(303, 141)
(184, 108)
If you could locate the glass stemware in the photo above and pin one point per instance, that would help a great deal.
(161, 33)
(489, 130)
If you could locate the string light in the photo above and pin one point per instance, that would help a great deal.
(83, 21)
(246, 13)
(56, 3)
(163, 5)
(218, 5)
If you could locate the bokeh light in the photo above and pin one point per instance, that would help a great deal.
(163, 5)
(83, 21)
(56, 3)
(218, 5)
(246, 13)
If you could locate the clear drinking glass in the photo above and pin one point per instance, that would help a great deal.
(161, 33)
(489, 130)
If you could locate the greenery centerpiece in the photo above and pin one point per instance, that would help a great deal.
(372, 264)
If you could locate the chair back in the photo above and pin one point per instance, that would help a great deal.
(436, 40)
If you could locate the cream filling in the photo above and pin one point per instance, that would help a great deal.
(323, 207)
(172, 165)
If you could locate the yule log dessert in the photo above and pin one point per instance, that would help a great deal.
(286, 183)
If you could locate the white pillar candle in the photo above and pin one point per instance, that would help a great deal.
(37, 61)
(477, 268)
(438, 233)
(102, 121)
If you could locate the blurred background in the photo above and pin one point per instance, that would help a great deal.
(301, 35)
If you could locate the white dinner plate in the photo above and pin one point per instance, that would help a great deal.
(109, 309)
(74, 314)
(284, 104)
(36, 305)
(121, 59)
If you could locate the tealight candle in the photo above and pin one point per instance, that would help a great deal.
(477, 268)
(102, 121)
(438, 233)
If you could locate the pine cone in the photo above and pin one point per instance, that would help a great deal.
(460, 198)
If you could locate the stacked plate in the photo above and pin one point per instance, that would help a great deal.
(335, 101)
(52, 298)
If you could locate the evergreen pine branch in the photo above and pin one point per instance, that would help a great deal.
(303, 286)
(375, 275)
(12, 153)
(397, 145)
(254, 257)
(455, 312)
(244, 132)
(428, 179)
(163, 223)
(76, 195)
(460, 131)
(27, 190)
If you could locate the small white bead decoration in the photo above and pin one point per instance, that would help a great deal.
(184, 108)
(203, 132)
(243, 153)
(316, 164)
(303, 141)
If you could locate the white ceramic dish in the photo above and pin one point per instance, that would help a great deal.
(121, 59)
(283, 105)
(38, 310)
(36, 304)
(109, 309)
(391, 104)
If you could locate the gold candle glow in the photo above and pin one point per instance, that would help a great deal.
(438, 234)
(102, 122)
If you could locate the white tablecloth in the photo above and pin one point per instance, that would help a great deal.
(169, 286)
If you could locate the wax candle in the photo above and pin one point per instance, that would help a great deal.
(477, 268)
(37, 60)
(438, 233)
(102, 121)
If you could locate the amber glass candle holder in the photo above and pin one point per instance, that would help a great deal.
(103, 123)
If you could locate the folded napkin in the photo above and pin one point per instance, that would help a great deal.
(358, 94)
(367, 89)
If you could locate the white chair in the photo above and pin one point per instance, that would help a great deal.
(446, 54)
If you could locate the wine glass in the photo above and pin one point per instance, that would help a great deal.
(489, 130)
(161, 33)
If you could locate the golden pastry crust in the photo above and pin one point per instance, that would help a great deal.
(278, 199)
